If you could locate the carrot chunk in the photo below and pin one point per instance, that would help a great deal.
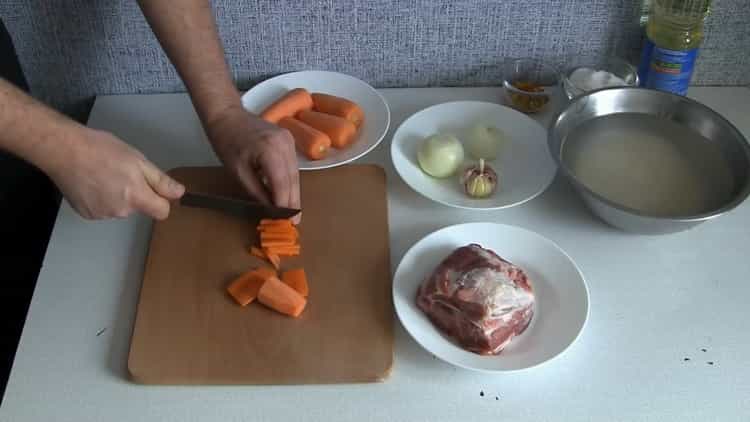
(282, 298)
(297, 280)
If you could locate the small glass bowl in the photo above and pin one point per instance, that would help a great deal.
(529, 84)
(614, 65)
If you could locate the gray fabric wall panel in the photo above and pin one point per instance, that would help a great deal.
(72, 50)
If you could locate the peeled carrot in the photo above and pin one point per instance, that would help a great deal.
(280, 297)
(297, 280)
(244, 289)
(338, 106)
(288, 105)
(341, 131)
(311, 142)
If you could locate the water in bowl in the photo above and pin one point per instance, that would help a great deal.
(649, 164)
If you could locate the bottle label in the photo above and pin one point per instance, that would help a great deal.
(666, 70)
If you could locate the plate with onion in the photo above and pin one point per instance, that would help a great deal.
(473, 155)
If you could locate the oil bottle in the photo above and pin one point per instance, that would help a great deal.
(674, 32)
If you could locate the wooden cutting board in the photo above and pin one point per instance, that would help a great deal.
(189, 331)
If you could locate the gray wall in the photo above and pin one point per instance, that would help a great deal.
(72, 50)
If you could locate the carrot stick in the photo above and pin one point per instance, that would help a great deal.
(311, 142)
(244, 289)
(297, 280)
(284, 251)
(341, 131)
(277, 241)
(338, 106)
(278, 231)
(276, 244)
(270, 234)
(273, 258)
(293, 247)
(280, 222)
(288, 105)
(282, 298)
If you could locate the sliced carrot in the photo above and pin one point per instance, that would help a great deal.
(311, 142)
(264, 237)
(341, 131)
(272, 258)
(244, 289)
(294, 248)
(276, 244)
(288, 105)
(269, 228)
(282, 298)
(338, 106)
(285, 251)
(280, 222)
(297, 280)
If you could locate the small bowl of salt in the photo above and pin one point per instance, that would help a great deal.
(609, 73)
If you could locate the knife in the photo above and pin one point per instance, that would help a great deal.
(238, 207)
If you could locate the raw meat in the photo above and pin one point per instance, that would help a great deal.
(478, 298)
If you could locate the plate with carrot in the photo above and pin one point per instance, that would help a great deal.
(334, 118)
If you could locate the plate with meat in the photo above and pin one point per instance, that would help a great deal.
(490, 297)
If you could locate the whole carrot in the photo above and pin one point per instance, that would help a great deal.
(341, 131)
(288, 105)
(331, 104)
(311, 142)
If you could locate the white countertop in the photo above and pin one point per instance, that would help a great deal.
(654, 302)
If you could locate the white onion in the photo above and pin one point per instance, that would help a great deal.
(440, 155)
(485, 142)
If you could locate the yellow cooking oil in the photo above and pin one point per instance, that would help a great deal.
(674, 32)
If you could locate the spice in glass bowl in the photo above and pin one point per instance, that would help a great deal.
(529, 84)
(525, 102)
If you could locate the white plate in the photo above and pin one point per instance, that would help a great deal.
(377, 114)
(525, 167)
(560, 311)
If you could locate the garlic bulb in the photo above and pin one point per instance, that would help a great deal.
(479, 181)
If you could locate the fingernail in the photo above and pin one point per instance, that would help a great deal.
(177, 187)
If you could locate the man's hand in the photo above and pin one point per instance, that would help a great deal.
(102, 177)
(261, 155)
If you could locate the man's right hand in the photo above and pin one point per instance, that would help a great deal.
(102, 177)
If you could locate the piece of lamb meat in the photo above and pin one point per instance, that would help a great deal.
(478, 298)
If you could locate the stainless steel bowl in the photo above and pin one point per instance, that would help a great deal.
(678, 109)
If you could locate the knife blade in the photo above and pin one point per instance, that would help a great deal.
(238, 207)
